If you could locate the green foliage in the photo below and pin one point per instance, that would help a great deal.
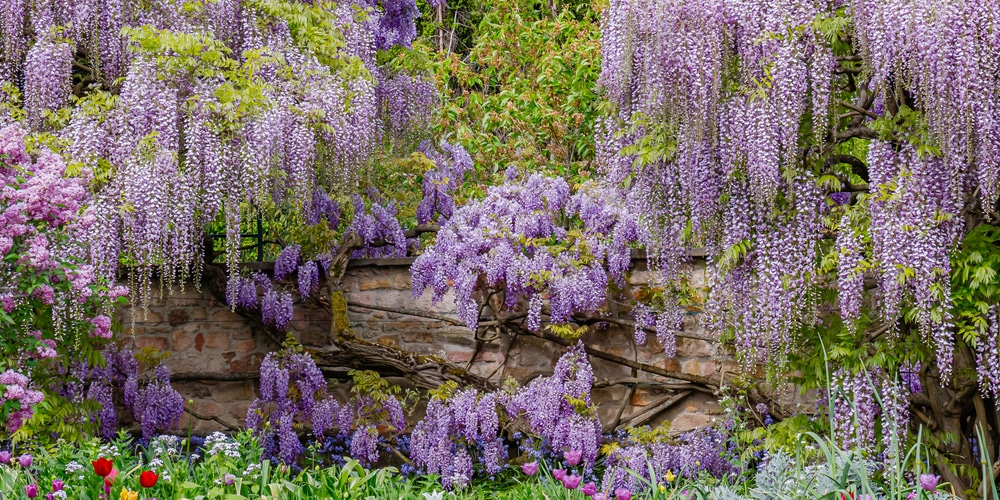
(521, 90)
(974, 285)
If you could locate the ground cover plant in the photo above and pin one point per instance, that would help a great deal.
(837, 163)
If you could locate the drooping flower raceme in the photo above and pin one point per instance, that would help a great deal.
(455, 427)
(558, 408)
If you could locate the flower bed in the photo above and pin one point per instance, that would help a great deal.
(232, 468)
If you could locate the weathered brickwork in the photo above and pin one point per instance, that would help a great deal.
(216, 353)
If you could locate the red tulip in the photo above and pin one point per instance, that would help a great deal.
(148, 479)
(103, 466)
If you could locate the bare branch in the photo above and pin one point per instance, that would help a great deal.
(215, 419)
(859, 109)
(860, 132)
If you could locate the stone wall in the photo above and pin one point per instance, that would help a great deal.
(215, 353)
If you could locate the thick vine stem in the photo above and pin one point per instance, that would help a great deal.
(348, 351)
(213, 418)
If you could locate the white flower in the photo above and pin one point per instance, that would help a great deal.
(59, 494)
(251, 469)
(437, 495)
(73, 467)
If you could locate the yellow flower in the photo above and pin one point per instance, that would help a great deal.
(128, 494)
(663, 489)
(669, 476)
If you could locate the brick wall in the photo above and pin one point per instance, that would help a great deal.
(215, 352)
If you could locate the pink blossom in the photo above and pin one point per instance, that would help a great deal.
(530, 468)
(102, 327)
(11, 377)
(8, 303)
(44, 293)
(623, 494)
(32, 397)
(14, 392)
(45, 352)
(12, 145)
(929, 482)
(573, 457)
(559, 474)
(572, 481)
(589, 489)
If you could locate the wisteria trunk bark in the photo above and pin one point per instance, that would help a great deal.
(950, 414)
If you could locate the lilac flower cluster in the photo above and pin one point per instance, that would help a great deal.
(454, 432)
(43, 272)
(17, 389)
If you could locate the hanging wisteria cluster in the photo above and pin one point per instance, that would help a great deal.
(558, 409)
(221, 109)
(533, 240)
(455, 431)
(870, 413)
(293, 392)
(726, 127)
(451, 162)
(691, 141)
(462, 433)
(379, 228)
(629, 466)
(154, 404)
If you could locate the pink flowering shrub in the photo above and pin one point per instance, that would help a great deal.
(53, 311)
